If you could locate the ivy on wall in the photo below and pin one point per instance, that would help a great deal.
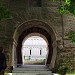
(71, 36)
(66, 6)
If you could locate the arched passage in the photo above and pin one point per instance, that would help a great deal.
(37, 45)
(33, 30)
(34, 26)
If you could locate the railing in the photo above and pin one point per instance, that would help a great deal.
(34, 57)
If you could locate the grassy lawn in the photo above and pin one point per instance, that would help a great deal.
(73, 73)
(34, 62)
(70, 74)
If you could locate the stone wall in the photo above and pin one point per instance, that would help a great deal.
(47, 13)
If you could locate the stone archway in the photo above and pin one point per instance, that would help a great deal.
(34, 26)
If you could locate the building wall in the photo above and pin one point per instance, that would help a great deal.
(35, 52)
(31, 48)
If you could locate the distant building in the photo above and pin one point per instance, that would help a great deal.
(34, 47)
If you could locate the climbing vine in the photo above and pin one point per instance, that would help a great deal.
(66, 6)
(71, 36)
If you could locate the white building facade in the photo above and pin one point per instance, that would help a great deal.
(34, 48)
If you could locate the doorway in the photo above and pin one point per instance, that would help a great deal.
(34, 49)
(27, 28)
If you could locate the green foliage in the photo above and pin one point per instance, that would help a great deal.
(67, 2)
(71, 36)
(63, 8)
(63, 69)
(4, 12)
(68, 5)
(66, 64)
(72, 7)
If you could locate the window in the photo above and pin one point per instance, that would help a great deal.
(30, 52)
(35, 3)
(40, 52)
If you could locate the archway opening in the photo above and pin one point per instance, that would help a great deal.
(34, 49)
(29, 31)
(34, 26)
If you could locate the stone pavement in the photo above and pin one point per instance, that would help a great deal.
(31, 70)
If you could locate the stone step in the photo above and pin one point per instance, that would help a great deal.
(32, 70)
(31, 74)
(24, 69)
(16, 72)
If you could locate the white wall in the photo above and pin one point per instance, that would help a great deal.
(35, 44)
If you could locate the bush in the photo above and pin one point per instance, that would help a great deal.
(63, 69)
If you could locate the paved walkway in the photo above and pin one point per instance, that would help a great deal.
(34, 67)
(32, 70)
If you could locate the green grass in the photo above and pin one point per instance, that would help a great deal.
(39, 62)
(71, 73)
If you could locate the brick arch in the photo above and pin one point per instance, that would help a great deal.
(34, 26)
(33, 30)
(35, 23)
